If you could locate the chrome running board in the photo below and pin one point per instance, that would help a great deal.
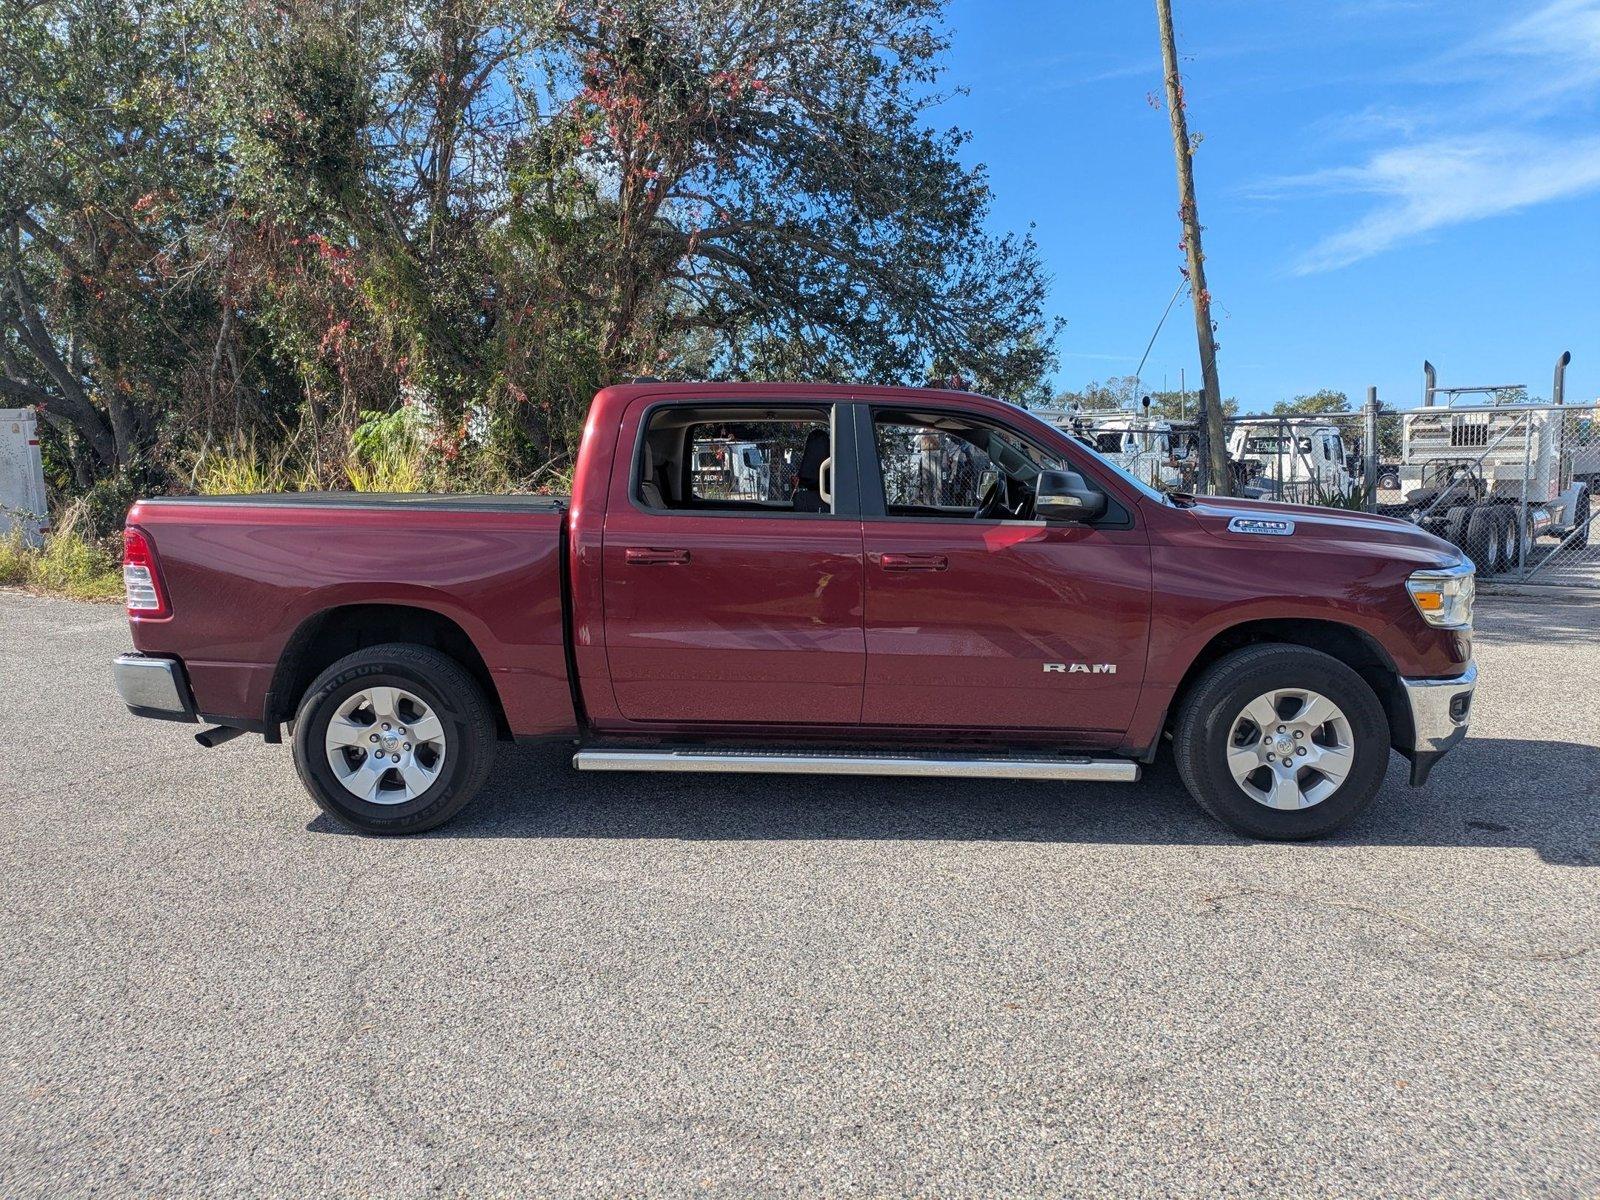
(761, 762)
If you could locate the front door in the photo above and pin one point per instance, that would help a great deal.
(976, 619)
(733, 573)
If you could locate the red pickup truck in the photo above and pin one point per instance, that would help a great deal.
(809, 579)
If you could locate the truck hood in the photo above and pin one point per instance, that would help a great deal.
(1286, 525)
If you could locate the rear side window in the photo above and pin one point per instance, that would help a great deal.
(715, 460)
(755, 461)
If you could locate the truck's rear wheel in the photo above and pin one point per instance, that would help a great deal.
(1486, 539)
(1520, 551)
(1282, 742)
(393, 739)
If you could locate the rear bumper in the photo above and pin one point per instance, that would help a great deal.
(154, 687)
(1440, 712)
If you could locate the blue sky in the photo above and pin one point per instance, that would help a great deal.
(1381, 181)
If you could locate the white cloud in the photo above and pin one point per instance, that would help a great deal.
(1448, 181)
(1506, 140)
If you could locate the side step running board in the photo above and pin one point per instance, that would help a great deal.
(1103, 770)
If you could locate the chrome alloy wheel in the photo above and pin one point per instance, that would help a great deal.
(1290, 749)
(385, 745)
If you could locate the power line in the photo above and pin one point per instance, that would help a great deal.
(1166, 312)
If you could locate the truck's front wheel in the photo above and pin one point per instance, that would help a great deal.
(393, 739)
(1282, 742)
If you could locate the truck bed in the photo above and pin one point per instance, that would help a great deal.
(251, 579)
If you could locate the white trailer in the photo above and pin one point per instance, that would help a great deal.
(22, 501)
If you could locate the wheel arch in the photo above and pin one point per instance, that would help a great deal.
(1354, 647)
(329, 634)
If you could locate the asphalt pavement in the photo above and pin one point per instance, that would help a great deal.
(608, 985)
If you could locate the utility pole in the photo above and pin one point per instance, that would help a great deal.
(1213, 445)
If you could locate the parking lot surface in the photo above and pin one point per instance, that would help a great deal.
(603, 985)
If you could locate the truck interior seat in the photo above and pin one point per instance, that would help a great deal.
(808, 474)
(649, 487)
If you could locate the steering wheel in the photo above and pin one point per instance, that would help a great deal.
(996, 502)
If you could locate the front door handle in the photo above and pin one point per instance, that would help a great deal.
(913, 562)
(653, 557)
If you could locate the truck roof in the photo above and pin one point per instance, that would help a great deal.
(624, 392)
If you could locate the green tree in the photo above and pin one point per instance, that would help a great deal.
(1313, 404)
(108, 175)
(754, 190)
(264, 221)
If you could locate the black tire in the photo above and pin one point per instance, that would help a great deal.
(1513, 528)
(445, 687)
(1581, 514)
(1205, 725)
(1455, 526)
(1485, 539)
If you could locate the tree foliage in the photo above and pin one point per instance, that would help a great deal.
(1313, 404)
(222, 222)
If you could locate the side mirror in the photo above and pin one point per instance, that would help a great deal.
(1067, 496)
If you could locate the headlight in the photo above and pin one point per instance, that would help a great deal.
(1444, 596)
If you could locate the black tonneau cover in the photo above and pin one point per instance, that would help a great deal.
(413, 500)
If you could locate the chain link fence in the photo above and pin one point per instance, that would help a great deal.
(1314, 459)
(1512, 485)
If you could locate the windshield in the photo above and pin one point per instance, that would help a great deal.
(1132, 480)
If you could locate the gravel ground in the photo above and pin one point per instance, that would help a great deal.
(602, 985)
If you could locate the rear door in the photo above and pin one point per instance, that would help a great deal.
(724, 603)
(991, 624)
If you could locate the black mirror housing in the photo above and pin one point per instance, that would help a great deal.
(1067, 496)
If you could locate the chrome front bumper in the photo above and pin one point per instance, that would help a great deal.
(1440, 711)
(154, 687)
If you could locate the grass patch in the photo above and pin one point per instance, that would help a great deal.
(241, 469)
(68, 564)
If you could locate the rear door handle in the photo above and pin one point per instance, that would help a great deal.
(653, 557)
(913, 562)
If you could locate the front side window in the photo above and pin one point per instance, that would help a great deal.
(928, 468)
(949, 466)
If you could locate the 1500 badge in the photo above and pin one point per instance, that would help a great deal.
(1258, 525)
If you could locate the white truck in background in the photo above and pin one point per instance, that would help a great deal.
(22, 498)
(1146, 447)
(1494, 478)
(1303, 461)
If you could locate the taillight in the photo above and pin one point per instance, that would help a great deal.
(140, 579)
